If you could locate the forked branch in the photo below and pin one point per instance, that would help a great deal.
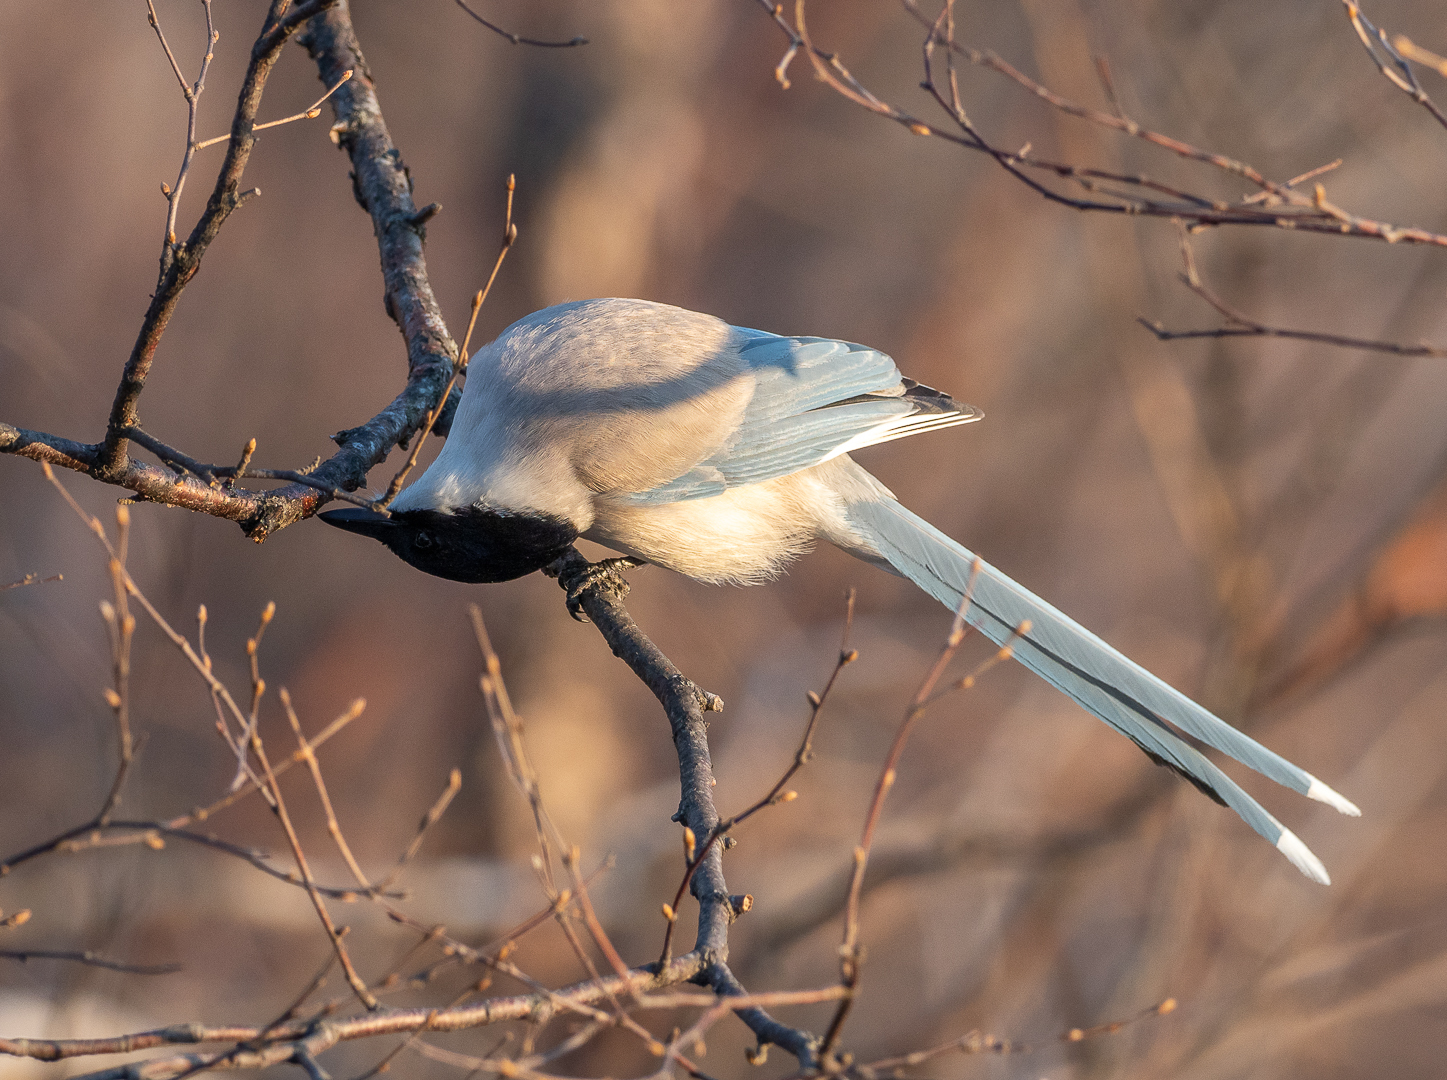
(384, 189)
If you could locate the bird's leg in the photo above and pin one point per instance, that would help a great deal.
(606, 574)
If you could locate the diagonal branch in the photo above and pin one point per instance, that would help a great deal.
(1389, 60)
(518, 39)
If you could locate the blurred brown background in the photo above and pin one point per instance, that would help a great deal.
(1047, 876)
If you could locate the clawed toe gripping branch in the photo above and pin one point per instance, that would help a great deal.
(577, 576)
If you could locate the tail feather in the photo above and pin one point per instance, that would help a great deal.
(1106, 683)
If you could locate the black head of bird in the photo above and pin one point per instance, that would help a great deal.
(469, 544)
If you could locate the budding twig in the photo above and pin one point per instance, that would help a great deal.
(311, 112)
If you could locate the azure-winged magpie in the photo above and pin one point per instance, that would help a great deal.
(722, 453)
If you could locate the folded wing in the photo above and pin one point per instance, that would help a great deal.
(813, 399)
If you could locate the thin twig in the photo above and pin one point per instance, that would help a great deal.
(429, 819)
(1239, 325)
(192, 94)
(850, 953)
(122, 626)
(1390, 62)
(334, 827)
(500, 946)
(976, 1043)
(1414, 52)
(278, 805)
(1107, 82)
(31, 579)
(402, 1021)
(590, 916)
(180, 261)
(507, 729)
(156, 26)
(203, 668)
(311, 112)
(89, 959)
(155, 834)
(1310, 174)
(258, 687)
(518, 40)
(1283, 208)
(91, 835)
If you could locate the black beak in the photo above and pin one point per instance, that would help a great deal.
(357, 520)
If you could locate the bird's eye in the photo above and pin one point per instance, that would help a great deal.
(423, 541)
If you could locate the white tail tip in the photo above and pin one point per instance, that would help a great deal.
(1321, 793)
(1290, 845)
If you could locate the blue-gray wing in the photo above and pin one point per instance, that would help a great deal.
(813, 399)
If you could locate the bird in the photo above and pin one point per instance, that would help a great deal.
(722, 453)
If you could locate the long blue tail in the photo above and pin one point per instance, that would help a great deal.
(1071, 658)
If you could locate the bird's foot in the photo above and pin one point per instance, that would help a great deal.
(606, 574)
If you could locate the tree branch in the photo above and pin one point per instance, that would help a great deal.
(1109, 192)
(1238, 325)
(1390, 62)
(88, 958)
(382, 186)
(382, 1022)
(517, 39)
(685, 703)
(180, 261)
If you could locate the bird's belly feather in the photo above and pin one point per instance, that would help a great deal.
(742, 536)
